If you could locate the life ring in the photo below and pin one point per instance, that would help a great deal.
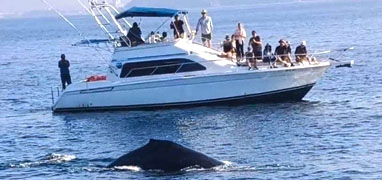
(95, 78)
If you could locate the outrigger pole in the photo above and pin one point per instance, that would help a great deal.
(339, 63)
(64, 18)
(78, 31)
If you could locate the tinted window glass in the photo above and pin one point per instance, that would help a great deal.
(160, 67)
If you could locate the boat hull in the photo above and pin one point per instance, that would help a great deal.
(286, 95)
(277, 85)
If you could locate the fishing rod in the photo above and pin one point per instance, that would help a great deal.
(338, 62)
(335, 50)
(50, 7)
(341, 63)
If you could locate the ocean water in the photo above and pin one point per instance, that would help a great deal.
(335, 133)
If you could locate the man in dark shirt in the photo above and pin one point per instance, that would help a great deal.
(64, 65)
(135, 35)
(177, 25)
(281, 53)
(256, 45)
(301, 53)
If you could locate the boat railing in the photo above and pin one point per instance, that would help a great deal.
(104, 14)
(55, 92)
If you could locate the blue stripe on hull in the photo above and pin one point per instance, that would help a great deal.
(286, 95)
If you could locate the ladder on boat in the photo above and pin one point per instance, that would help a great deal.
(104, 14)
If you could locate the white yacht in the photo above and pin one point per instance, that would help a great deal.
(176, 73)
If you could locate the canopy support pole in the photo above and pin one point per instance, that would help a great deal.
(185, 17)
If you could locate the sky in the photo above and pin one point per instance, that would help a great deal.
(31, 7)
(25, 6)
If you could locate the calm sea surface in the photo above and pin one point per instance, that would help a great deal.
(335, 133)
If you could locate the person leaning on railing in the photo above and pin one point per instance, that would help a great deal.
(282, 55)
(302, 54)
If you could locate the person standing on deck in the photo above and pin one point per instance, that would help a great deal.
(240, 36)
(135, 35)
(64, 65)
(177, 26)
(206, 27)
(256, 45)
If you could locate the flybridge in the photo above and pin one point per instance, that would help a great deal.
(116, 26)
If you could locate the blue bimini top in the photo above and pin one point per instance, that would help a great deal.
(149, 12)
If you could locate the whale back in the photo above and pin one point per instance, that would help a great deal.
(166, 156)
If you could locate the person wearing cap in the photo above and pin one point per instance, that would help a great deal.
(281, 53)
(301, 53)
(177, 26)
(206, 27)
(64, 65)
(256, 45)
(240, 36)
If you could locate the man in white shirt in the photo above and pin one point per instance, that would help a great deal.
(240, 36)
(206, 28)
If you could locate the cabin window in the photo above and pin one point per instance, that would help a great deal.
(169, 66)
